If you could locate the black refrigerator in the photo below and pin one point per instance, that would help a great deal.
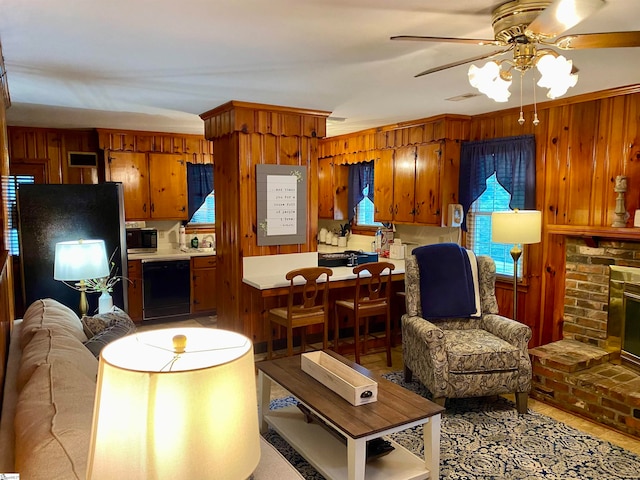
(57, 213)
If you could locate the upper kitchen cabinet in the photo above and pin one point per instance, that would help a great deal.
(155, 184)
(407, 185)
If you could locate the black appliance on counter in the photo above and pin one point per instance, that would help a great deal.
(142, 240)
(54, 213)
(348, 258)
(166, 288)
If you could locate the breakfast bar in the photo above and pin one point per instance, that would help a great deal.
(266, 287)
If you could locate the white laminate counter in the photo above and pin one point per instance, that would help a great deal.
(172, 254)
(269, 271)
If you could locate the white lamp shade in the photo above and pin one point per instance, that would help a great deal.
(80, 260)
(516, 226)
(159, 415)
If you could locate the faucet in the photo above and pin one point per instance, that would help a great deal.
(209, 243)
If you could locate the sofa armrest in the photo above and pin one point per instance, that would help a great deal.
(511, 331)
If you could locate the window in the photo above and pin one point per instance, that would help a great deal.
(365, 211)
(11, 185)
(206, 214)
(494, 198)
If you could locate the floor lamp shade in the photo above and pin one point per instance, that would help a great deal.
(162, 414)
(516, 226)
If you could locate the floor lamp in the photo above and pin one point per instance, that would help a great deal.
(517, 227)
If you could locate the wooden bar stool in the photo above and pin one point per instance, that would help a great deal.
(372, 299)
(313, 309)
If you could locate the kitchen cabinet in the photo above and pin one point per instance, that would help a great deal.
(333, 186)
(155, 184)
(407, 185)
(203, 284)
(134, 274)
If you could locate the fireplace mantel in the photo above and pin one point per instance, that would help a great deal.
(593, 234)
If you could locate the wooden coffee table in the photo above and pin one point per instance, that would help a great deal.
(396, 409)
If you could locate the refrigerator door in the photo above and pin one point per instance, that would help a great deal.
(55, 213)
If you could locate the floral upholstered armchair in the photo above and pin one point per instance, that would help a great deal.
(465, 357)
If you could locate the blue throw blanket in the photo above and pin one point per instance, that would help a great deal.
(446, 282)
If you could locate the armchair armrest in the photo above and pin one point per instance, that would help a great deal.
(516, 333)
(417, 327)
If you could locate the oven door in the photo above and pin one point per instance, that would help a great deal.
(167, 289)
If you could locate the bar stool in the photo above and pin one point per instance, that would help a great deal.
(372, 299)
(311, 311)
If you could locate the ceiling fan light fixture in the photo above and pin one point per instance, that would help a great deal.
(491, 80)
(555, 74)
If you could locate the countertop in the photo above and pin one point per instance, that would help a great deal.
(171, 254)
(268, 272)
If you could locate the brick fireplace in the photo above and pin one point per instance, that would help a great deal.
(582, 373)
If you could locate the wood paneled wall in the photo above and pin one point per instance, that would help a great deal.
(47, 149)
(582, 144)
(245, 135)
(6, 283)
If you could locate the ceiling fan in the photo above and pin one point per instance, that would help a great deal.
(523, 26)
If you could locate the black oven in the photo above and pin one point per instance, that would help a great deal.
(142, 239)
(166, 288)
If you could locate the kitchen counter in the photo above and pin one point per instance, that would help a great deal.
(267, 272)
(172, 254)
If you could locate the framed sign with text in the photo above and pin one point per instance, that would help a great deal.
(281, 200)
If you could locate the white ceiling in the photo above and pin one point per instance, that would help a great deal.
(157, 64)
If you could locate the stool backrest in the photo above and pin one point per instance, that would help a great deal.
(372, 287)
(309, 290)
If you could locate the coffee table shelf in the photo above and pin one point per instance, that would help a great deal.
(328, 454)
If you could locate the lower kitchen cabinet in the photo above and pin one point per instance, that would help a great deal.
(203, 284)
(134, 274)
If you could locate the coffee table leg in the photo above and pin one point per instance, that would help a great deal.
(356, 458)
(431, 439)
(264, 399)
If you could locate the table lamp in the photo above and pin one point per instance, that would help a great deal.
(175, 403)
(517, 227)
(79, 260)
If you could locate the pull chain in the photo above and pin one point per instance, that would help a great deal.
(535, 105)
(521, 119)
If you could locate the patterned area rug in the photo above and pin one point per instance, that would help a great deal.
(485, 438)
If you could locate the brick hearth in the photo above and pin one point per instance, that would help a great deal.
(577, 373)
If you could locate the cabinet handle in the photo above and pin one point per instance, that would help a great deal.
(152, 208)
(390, 208)
(416, 211)
(144, 207)
(396, 210)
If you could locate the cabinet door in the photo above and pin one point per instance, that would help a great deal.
(341, 192)
(427, 185)
(134, 274)
(168, 186)
(383, 186)
(404, 172)
(203, 284)
(131, 169)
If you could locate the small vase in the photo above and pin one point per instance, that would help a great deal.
(105, 303)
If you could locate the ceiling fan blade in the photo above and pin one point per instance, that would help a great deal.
(471, 41)
(462, 62)
(560, 16)
(598, 40)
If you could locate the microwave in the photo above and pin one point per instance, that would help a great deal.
(142, 240)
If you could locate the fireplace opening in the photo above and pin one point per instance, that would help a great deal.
(623, 323)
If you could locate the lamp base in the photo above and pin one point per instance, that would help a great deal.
(516, 251)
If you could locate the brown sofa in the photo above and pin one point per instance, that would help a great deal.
(49, 395)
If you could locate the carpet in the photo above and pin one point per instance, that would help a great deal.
(485, 438)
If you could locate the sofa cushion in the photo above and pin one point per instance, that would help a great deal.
(118, 326)
(474, 350)
(49, 345)
(95, 324)
(49, 313)
(53, 423)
